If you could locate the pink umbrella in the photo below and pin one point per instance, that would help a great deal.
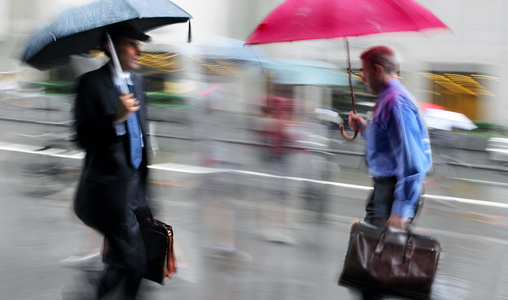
(296, 20)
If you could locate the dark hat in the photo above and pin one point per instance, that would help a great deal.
(127, 29)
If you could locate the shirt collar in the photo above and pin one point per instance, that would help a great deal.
(392, 83)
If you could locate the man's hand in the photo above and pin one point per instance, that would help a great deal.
(127, 106)
(398, 222)
(356, 122)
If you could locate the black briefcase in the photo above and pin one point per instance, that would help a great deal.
(398, 263)
(161, 261)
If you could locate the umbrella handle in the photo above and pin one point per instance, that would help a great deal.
(347, 137)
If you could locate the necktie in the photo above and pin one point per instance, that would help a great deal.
(136, 154)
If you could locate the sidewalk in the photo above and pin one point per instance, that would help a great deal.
(43, 231)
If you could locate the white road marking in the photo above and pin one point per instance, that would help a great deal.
(29, 149)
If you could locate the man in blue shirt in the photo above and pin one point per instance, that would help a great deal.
(397, 142)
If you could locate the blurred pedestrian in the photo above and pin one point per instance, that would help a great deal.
(111, 127)
(313, 164)
(218, 192)
(397, 145)
(277, 132)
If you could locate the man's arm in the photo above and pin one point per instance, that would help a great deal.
(94, 114)
(404, 137)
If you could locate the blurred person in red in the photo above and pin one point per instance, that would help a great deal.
(111, 127)
(276, 132)
(397, 145)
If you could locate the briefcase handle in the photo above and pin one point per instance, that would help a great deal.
(382, 240)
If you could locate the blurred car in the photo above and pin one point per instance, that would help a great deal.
(497, 148)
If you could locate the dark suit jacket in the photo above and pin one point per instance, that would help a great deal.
(103, 188)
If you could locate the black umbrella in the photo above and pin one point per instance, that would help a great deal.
(79, 30)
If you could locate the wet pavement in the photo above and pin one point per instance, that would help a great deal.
(41, 230)
(38, 229)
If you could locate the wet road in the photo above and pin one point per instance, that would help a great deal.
(469, 217)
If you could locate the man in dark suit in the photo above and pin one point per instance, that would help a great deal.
(111, 127)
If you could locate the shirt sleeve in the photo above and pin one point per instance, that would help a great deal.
(405, 139)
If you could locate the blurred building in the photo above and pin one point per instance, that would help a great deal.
(463, 70)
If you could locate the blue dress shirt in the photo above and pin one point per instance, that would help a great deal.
(397, 144)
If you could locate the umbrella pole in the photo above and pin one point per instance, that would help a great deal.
(116, 64)
(349, 72)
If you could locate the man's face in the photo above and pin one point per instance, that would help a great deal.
(370, 78)
(129, 53)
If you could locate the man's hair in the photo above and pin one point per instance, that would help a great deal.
(383, 56)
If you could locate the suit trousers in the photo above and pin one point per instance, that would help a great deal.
(379, 203)
(128, 260)
(118, 219)
(378, 210)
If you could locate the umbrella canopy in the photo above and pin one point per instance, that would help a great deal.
(296, 20)
(224, 48)
(219, 55)
(213, 55)
(447, 120)
(305, 72)
(79, 30)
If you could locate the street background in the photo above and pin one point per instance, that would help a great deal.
(465, 208)
(210, 178)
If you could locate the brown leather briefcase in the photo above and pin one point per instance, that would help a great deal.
(398, 263)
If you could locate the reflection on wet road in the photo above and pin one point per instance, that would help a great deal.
(471, 224)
